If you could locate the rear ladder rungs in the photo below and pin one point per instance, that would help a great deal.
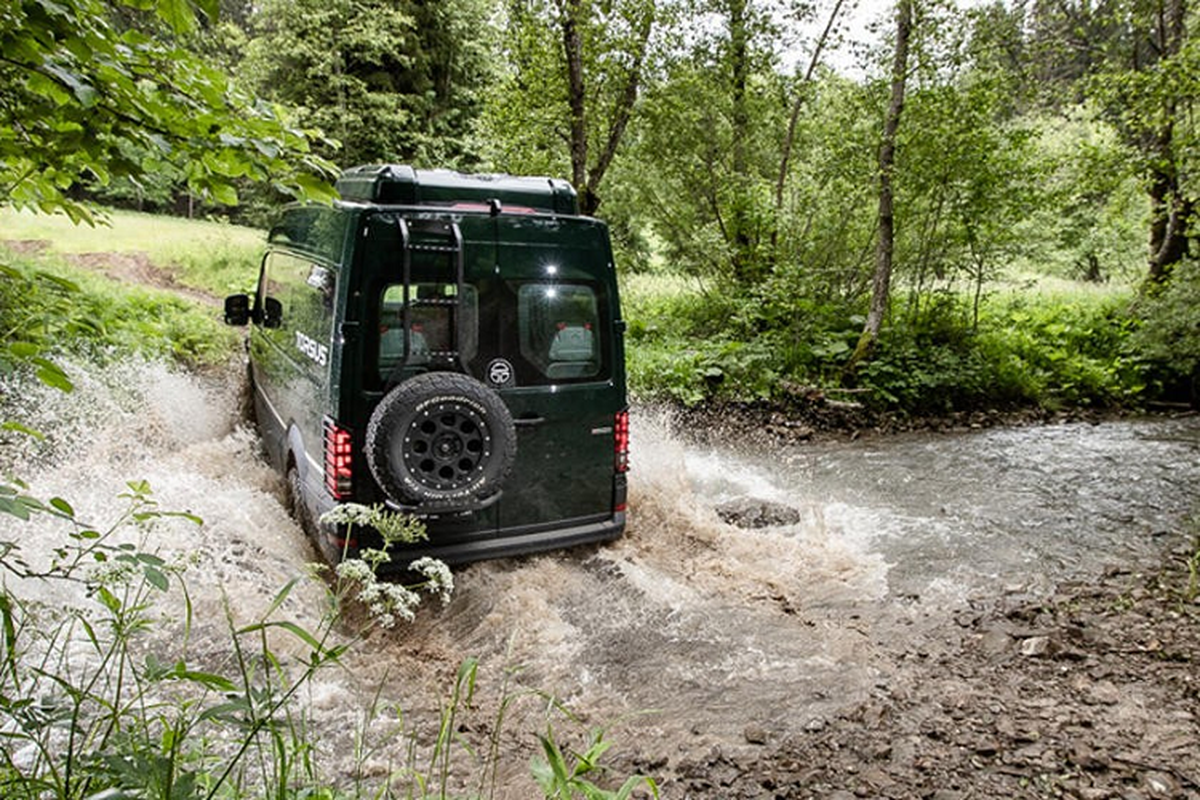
(418, 302)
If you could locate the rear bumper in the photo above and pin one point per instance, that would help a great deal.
(463, 548)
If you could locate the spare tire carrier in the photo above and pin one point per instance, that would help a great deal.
(441, 441)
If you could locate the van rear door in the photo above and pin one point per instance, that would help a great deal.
(558, 366)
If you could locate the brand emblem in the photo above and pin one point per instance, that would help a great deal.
(500, 372)
(316, 351)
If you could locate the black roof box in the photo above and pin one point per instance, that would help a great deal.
(397, 184)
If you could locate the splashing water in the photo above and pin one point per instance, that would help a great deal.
(714, 627)
(136, 420)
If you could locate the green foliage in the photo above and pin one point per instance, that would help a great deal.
(1168, 340)
(1091, 221)
(98, 90)
(715, 150)
(1050, 353)
(564, 104)
(1029, 348)
(390, 81)
(563, 776)
(48, 308)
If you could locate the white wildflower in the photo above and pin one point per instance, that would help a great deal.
(439, 578)
(114, 573)
(401, 600)
(383, 600)
(356, 570)
(350, 514)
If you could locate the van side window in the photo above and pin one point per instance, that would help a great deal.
(304, 292)
(315, 229)
(432, 307)
(560, 329)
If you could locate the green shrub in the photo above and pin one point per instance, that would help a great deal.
(50, 307)
(1046, 353)
(1167, 342)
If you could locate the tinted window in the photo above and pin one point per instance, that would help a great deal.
(432, 309)
(559, 330)
(304, 290)
(316, 229)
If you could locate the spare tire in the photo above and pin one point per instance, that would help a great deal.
(441, 441)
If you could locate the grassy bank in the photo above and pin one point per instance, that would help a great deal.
(48, 305)
(214, 257)
(1029, 342)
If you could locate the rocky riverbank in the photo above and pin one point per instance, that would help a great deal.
(1091, 693)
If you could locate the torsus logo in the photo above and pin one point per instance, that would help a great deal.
(316, 351)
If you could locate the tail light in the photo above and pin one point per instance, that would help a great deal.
(339, 458)
(621, 436)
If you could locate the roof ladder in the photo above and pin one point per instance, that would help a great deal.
(442, 243)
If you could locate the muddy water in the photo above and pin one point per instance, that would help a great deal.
(723, 635)
(953, 515)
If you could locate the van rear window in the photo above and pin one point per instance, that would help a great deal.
(559, 330)
(432, 309)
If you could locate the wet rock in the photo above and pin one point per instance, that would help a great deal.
(1037, 647)
(948, 794)
(756, 734)
(750, 512)
(1096, 693)
(995, 642)
(1088, 758)
(1160, 784)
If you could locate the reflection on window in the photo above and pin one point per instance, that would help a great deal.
(559, 330)
(432, 309)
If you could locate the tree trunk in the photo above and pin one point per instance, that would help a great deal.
(576, 98)
(621, 115)
(739, 219)
(1169, 215)
(794, 120)
(585, 177)
(1170, 208)
(881, 285)
(798, 105)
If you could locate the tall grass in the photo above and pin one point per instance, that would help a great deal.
(215, 257)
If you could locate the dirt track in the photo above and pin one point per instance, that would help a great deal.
(1093, 694)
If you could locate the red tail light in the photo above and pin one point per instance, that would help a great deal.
(339, 458)
(621, 435)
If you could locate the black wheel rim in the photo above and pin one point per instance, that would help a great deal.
(446, 446)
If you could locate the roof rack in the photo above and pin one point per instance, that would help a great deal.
(398, 184)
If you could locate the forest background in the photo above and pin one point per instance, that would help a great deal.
(982, 207)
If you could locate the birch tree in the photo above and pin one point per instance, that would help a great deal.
(885, 247)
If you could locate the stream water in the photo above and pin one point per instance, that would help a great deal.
(716, 629)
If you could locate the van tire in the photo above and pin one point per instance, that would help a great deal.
(246, 411)
(295, 500)
(441, 442)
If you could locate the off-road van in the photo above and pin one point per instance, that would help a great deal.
(450, 346)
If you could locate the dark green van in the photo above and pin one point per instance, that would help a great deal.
(446, 345)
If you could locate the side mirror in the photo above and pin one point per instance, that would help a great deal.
(272, 315)
(237, 309)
